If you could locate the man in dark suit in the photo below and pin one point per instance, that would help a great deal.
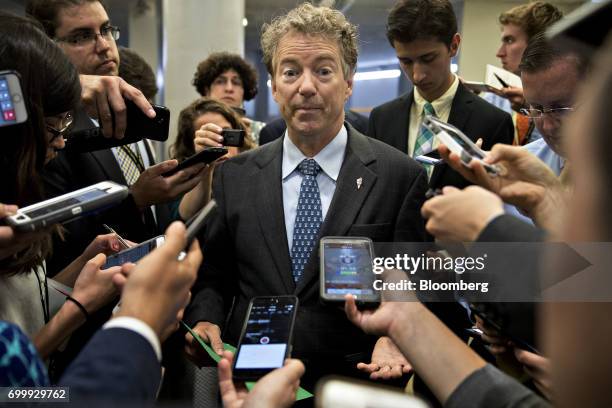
(355, 186)
(424, 36)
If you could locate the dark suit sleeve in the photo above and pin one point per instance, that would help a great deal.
(410, 225)
(489, 387)
(213, 290)
(118, 366)
(507, 228)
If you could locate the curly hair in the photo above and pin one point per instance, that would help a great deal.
(219, 62)
(309, 19)
(183, 146)
(533, 18)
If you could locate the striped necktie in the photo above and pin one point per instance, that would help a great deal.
(424, 141)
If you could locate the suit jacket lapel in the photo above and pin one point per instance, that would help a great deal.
(107, 162)
(348, 198)
(458, 117)
(400, 130)
(268, 192)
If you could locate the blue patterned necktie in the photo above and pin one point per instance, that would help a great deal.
(424, 141)
(308, 217)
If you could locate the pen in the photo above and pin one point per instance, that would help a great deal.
(501, 81)
(121, 240)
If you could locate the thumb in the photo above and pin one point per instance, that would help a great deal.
(176, 239)
(98, 260)
(450, 190)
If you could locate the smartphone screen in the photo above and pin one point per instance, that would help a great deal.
(134, 254)
(12, 105)
(266, 336)
(347, 269)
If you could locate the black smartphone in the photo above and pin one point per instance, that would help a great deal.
(139, 126)
(195, 224)
(233, 137)
(67, 207)
(346, 268)
(208, 155)
(266, 336)
(135, 253)
(12, 105)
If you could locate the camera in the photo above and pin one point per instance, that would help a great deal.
(233, 137)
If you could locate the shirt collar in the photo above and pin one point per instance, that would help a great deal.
(330, 158)
(441, 104)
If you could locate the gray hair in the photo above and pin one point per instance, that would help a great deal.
(309, 19)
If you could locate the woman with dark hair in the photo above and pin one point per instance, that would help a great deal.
(232, 80)
(50, 88)
(193, 121)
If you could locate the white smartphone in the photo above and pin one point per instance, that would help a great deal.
(457, 142)
(337, 392)
(68, 207)
(346, 268)
(12, 106)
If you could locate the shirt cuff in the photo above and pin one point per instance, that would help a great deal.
(138, 326)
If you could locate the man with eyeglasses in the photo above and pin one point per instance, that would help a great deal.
(550, 81)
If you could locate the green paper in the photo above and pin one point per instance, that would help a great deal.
(301, 393)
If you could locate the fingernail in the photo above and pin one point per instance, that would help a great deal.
(151, 112)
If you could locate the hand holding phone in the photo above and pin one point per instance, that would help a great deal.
(67, 207)
(457, 142)
(266, 337)
(346, 268)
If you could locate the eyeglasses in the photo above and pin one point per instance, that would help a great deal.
(64, 124)
(85, 38)
(556, 113)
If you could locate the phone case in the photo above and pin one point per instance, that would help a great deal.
(115, 193)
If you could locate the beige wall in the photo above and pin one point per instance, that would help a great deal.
(481, 33)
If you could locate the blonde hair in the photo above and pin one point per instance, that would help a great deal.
(308, 19)
(533, 18)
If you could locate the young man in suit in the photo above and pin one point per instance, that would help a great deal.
(425, 38)
(357, 186)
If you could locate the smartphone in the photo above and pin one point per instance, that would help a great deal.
(431, 158)
(335, 392)
(208, 155)
(12, 106)
(195, 224)
(233, 137)
(68, 207)
(139, 126)
(476, 86)
(457, 142)
(346, 268)
(266, 336)
(134, 254)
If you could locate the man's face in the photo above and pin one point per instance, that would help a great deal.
(96, 58)
(426, 63)
(228, 88)
(513, 43)
(309, 85)
(552, 88)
